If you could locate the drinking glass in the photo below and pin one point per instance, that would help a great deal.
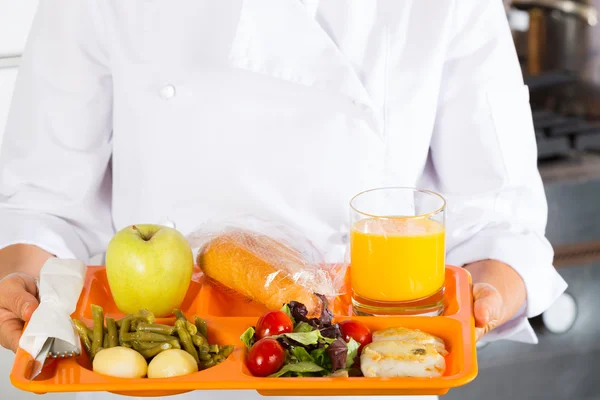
(397, 252)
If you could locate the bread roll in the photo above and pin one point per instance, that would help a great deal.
(257, 267)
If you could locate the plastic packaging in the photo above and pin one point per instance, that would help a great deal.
(281, 253)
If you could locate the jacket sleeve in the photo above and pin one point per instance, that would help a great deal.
(484, 160)
(55, 162)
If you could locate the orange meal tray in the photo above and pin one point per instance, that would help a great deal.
(228, 316)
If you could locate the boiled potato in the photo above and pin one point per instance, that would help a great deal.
(170, 363)
(120, 362)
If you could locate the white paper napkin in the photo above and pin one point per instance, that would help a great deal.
(61, 282)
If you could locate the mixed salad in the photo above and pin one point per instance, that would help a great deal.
(287, 343)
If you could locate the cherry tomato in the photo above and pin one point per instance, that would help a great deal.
(273, 323)
(357, 331)
(266, 357)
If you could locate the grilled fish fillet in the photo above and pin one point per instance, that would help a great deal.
(410, 336)
(393, 358)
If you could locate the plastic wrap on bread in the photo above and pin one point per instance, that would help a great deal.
(269, 263)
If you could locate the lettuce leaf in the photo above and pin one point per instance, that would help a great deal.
(286, 309)
(328, 340)
(353, 346)
(302, 355)
(299, 311)
(248, 337)
(298, 369)
(326, 314)
(338, 353)
(303, 327)
(304, 338)
(321, 358)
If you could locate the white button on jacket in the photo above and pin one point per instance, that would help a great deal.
(278, 108)
(167, 92)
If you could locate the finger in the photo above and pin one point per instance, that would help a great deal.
(25, 281)
(28, 309)
(487, 304)
(29, 283)
(18, 295)
(10, 333)
(481, 313)
(479, 332)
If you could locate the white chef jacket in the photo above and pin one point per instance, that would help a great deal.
(132, 111)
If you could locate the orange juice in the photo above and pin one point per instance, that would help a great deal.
(397, 259)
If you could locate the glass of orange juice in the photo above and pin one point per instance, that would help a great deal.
(397, 252)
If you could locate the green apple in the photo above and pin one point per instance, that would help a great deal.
(149, 267)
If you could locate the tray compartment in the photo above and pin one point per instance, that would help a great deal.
(461, 366)
(228, 316)
(215, 300)
(448, 329)
(97, 291)
(454, 298)
(220, 334)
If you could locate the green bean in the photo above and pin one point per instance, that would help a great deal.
(134, 323)
(147, 316)
(207, 364)
(156, 328)
(226, 351)
(98, 316)
(125, 325)
(213, 348)
(127, 337)
(149, 353)
(204, 348)
(87, 344)
(154, 337)
(179, 314)
(125, 344)
(137, 346)
(185, 338)
(202, 356)
(218, 358)
(191, 328)
(198, 340)
(175, 344)
(146, 345)
(119, 322)
(113, 339)
(201, 326)
(105, 341)
(146, 337)
(82, 330)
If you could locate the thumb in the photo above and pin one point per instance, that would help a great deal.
(20, 295)
(487, 305)
(30, 304)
